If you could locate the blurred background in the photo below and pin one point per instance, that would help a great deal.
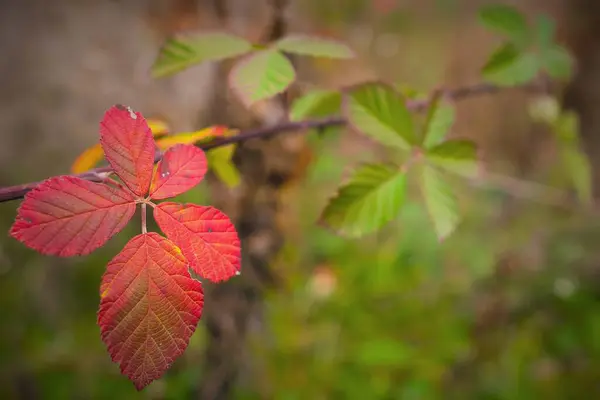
(506, 308)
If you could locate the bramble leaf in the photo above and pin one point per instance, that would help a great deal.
(180, 53)
(149, 307)
(506, 20)
(372, 198)
(457, 156)
(509, 66)
(557, 62)
(181, 168)
(93, 155)
(380, 112)
(313, 46)
(128, 147)
(316, 103)
(440, 201)
(68, 216)
(206, 237)
(220, 162)
(440, 119)
(261, 75)
(165, 142)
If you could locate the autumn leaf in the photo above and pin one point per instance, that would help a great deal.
(206, 237)
(68, 216)
(181, 168)
(150, 307)
(128, 147)
(165, 142)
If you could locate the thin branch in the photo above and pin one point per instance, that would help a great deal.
(100, 174)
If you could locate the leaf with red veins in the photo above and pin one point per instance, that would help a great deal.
(149, 307)
(68, 216)
(182, 167)
(206, 237)
(128, 147)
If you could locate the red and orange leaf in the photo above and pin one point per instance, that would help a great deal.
(206, 237)
(149, 307)
(93, 155)
(128, 147)
(191, 137)
(182, 167)
(68, 216)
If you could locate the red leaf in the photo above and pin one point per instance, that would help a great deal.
(181, 168)
(68, 216)
(128, 147)
(206, 237)
(150, 307)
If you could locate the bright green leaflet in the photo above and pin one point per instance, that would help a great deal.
(440, 118)
(557, 62)
(508, 66)
(314, 46)
(456, 156)
(180, 53)
(261, 75)
(317, 103)
(219, 160)
(505, 20)
(372, 198)
(440, 201)
(380, 112)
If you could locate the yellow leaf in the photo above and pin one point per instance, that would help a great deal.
(191, 137)
(157, 126)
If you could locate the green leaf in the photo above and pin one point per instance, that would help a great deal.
(372, 198)
(440, 119)
(558, 62)
(545, 29)
(219, 161)
(318, 103)
(380, 112)
(506, 20)
(456, 156)
(508, 66)
(180, 53)
(261, 75)
(580, 173)
(313, 46)
(440, 201)
(566, 128)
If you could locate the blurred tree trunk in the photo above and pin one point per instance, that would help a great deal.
(582, 32)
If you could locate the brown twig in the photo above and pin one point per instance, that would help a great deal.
(99, 174)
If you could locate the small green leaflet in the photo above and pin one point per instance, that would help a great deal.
(505, 20)
(440, 201)
(456, 156)
(509, 66)
(440, 118)
(372, 198)
(557, 62)
(578, 168)
(380, 112)
(182, 52)
(219, 161)
(261, 75)
(313, 46)
(317, 103)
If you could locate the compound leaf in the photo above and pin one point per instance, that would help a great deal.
(372, 198)
(149, 307)
(181, 168)
(129, 147)
(440, 119)
(457, 156)
(182, 52)
(380, 112)
(261, 75)
(67, 216)
(314, 46)
(206, 237)
(440, 201)
(509, 66)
